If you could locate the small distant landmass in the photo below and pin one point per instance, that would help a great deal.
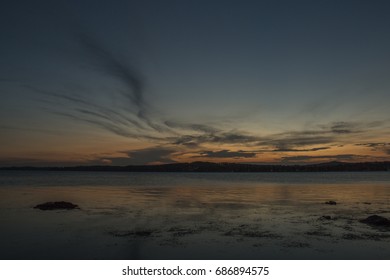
(333, 166)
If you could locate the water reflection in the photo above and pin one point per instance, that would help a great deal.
(194, 216)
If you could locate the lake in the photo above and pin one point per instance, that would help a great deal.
(194, 215)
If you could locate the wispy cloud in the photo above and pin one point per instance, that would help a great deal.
(143, 156)
(215, 138)
(374, 145)
(227, 154)
(300, 150)
(117, 69)
(39, 130)
(135, 118)
(383, 147)
(295, 141)
(130, 118)
(352, 127)
(330, 134)
(192, 127)
(305, 158)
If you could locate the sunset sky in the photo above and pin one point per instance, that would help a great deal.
(143, 82)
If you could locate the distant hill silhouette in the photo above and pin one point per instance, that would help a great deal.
(223, 167)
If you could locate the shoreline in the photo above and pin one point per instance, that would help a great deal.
(208, 167)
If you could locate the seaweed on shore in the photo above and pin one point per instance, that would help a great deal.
(139, 233)
(331, 202)
(57, 205)
(376, 221)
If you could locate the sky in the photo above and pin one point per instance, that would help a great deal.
(151, 82)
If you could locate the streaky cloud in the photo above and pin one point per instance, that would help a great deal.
(116, 68)
(218, 137)
(143, 156)
(87, 108)
(327, 157)
(377, 146)
(192, 126)
(300, 150)
(123, 72)
(40, 130)
(227, 154)
(113, 128)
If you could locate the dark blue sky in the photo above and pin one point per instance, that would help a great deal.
(160, 81)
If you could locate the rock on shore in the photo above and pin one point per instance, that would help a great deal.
(57, 205)
(377, 221)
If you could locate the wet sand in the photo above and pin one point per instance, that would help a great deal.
(266, 221)
(194, 216)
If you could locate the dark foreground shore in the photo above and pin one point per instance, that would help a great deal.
(210, 231)
(194, 216)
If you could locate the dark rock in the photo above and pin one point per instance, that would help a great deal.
(318, 233)
(351, 236)
(331, 202)
(185, 231)
(377, 221)
(326, 218)
(57, 205)
(296, 244)
(251, 233)
(140, 233)
(143, 233)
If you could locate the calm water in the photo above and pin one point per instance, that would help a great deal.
(193, 215)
